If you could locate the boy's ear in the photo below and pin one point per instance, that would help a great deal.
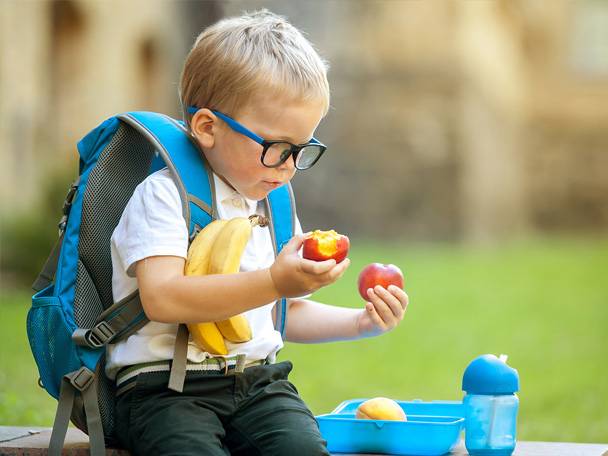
(204, 127)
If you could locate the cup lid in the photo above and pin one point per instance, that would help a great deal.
(488, 374)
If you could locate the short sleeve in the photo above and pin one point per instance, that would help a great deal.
(151, 224)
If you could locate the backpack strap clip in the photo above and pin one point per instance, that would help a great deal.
(95, 337)
(67, 206)
(82, 378)
(118, 321)
(69, 198)
(100, 334)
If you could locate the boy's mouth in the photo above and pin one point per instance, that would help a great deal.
(273, 183)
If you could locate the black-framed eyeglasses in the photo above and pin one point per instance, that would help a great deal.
(275, 153)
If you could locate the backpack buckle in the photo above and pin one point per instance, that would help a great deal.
(197, 229)
(69, 199)
(82, 378)
(62, 224)
(67, 206)
(99, 335)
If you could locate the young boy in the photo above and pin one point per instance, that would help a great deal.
(245, 76)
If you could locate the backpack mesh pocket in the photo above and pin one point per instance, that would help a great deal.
(51, 340)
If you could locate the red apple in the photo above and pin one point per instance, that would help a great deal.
(379, 274)
(325, 245)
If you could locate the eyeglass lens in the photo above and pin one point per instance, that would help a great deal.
(277, 153)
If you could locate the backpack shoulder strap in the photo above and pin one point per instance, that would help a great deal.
(188, 166)
(280, 204)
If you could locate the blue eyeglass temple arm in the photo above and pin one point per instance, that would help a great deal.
(239, 128)
(232, 123)
(314, 140)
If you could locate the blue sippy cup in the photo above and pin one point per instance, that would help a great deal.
(490, 406)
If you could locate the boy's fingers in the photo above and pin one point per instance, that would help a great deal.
(324, 266)
(334, 273)
(339, 270)
(390, 300)
(400, 294)
(317, 267)
(381, 307)
(294, 244)
(345, 264)
(307, 266)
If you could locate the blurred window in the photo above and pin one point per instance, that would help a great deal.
(589, 39)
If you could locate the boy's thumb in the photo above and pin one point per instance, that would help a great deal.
(294, 244)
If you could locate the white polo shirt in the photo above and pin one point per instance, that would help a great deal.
(152, 224)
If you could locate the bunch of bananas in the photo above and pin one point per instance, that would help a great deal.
(217, 249)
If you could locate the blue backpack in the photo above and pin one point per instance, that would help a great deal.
(73, 316)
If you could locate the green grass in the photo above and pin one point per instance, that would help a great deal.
(543, 302)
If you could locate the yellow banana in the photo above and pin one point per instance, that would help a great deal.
(229, 246)
(208, 337)
(205, 335)
(235, 329)
(199, 252)
(225, 259)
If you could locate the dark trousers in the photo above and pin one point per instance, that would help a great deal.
(255, 412)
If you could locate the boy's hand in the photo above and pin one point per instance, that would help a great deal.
(295, 276)
(383, 311)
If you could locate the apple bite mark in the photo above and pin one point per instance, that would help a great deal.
(328, 244)
(325, 245)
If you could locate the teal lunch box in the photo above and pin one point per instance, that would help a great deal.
(432, 428)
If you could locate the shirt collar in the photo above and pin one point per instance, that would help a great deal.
(225, 195)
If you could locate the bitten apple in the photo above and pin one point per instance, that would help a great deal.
(379, 274)
(380, 408)
(325, 245)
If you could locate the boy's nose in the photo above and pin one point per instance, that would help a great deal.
(288, 165)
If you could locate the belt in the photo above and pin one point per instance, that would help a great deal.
(125, 379)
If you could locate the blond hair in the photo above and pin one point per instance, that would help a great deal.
(258, 53)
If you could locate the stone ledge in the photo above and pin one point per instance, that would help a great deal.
(24, 441)
(34, 441)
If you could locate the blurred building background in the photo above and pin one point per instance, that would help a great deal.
(476, 121)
